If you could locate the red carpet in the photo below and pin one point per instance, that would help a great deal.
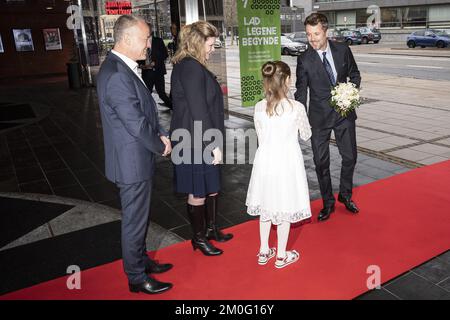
(404, 221)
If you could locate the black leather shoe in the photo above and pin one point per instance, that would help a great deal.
(154, 267)
(325, 213)
(205, 247)
(213, 233)
(349, 204)
(150, 286)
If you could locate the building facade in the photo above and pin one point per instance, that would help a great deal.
(291, 17)
(386, 14)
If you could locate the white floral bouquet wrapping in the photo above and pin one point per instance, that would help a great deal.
(345, 98)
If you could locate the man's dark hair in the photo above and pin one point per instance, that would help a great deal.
(315, 18)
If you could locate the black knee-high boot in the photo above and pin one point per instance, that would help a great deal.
(199, 241)
(212, 232)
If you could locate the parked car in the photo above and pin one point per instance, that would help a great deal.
(428, 38)
(218, 43)
(289, 47)
(299, 37)
(352, 37)
(107, 40)
(335, 35)
(369, 35)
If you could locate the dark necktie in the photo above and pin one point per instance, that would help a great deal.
(149, 54)
(328, 69)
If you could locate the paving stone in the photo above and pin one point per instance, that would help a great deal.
(410, 154)
(414, 287)
(435, 270)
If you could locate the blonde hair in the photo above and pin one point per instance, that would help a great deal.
(275, 74)
(192, 41)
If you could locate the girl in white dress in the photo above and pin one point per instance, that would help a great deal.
(278, 189)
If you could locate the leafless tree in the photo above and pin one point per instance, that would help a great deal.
(231, 21)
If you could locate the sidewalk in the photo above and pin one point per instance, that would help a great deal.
(400, 48)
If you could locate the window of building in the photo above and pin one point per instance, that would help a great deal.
(414, 16)
(439, 15)
(287, 28)
(391, 17)
(345, 19)
(213, 7)
(361, 17)
(331, 16)
(403, 17)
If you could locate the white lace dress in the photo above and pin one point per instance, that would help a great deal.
(278, 189)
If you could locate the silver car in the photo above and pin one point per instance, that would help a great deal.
(289, 47)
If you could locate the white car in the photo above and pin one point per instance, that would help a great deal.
(218, 44)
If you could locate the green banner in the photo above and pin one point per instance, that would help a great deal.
(259, 42)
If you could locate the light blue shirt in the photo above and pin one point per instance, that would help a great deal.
(329, 58)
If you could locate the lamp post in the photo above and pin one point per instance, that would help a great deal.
(156, 19)
(294, 10)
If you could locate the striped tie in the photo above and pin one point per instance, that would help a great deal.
(328, 69)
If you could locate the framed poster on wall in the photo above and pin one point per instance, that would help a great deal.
(52, 39)
(23, 39)
(1, 45)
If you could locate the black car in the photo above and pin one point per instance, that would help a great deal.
(369, 35)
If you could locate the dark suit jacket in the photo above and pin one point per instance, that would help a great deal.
(130, 123)
(175, 43)
(311, 74)
(158, 54)
(196, 96)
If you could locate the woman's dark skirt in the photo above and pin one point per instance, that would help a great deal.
(197, 179)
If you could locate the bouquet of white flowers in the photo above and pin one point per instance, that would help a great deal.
(345, 98)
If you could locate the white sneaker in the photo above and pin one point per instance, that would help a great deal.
(291, 257)
(263, 258)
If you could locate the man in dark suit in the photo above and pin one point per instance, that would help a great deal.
(321, 67)
(173, 46)
(154, 68)
(132, 136)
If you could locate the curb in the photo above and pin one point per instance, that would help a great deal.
(409, 54)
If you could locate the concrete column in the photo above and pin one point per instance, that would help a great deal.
(191, 11)
(305, 4)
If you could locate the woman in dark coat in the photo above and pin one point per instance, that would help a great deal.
(197, 133)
